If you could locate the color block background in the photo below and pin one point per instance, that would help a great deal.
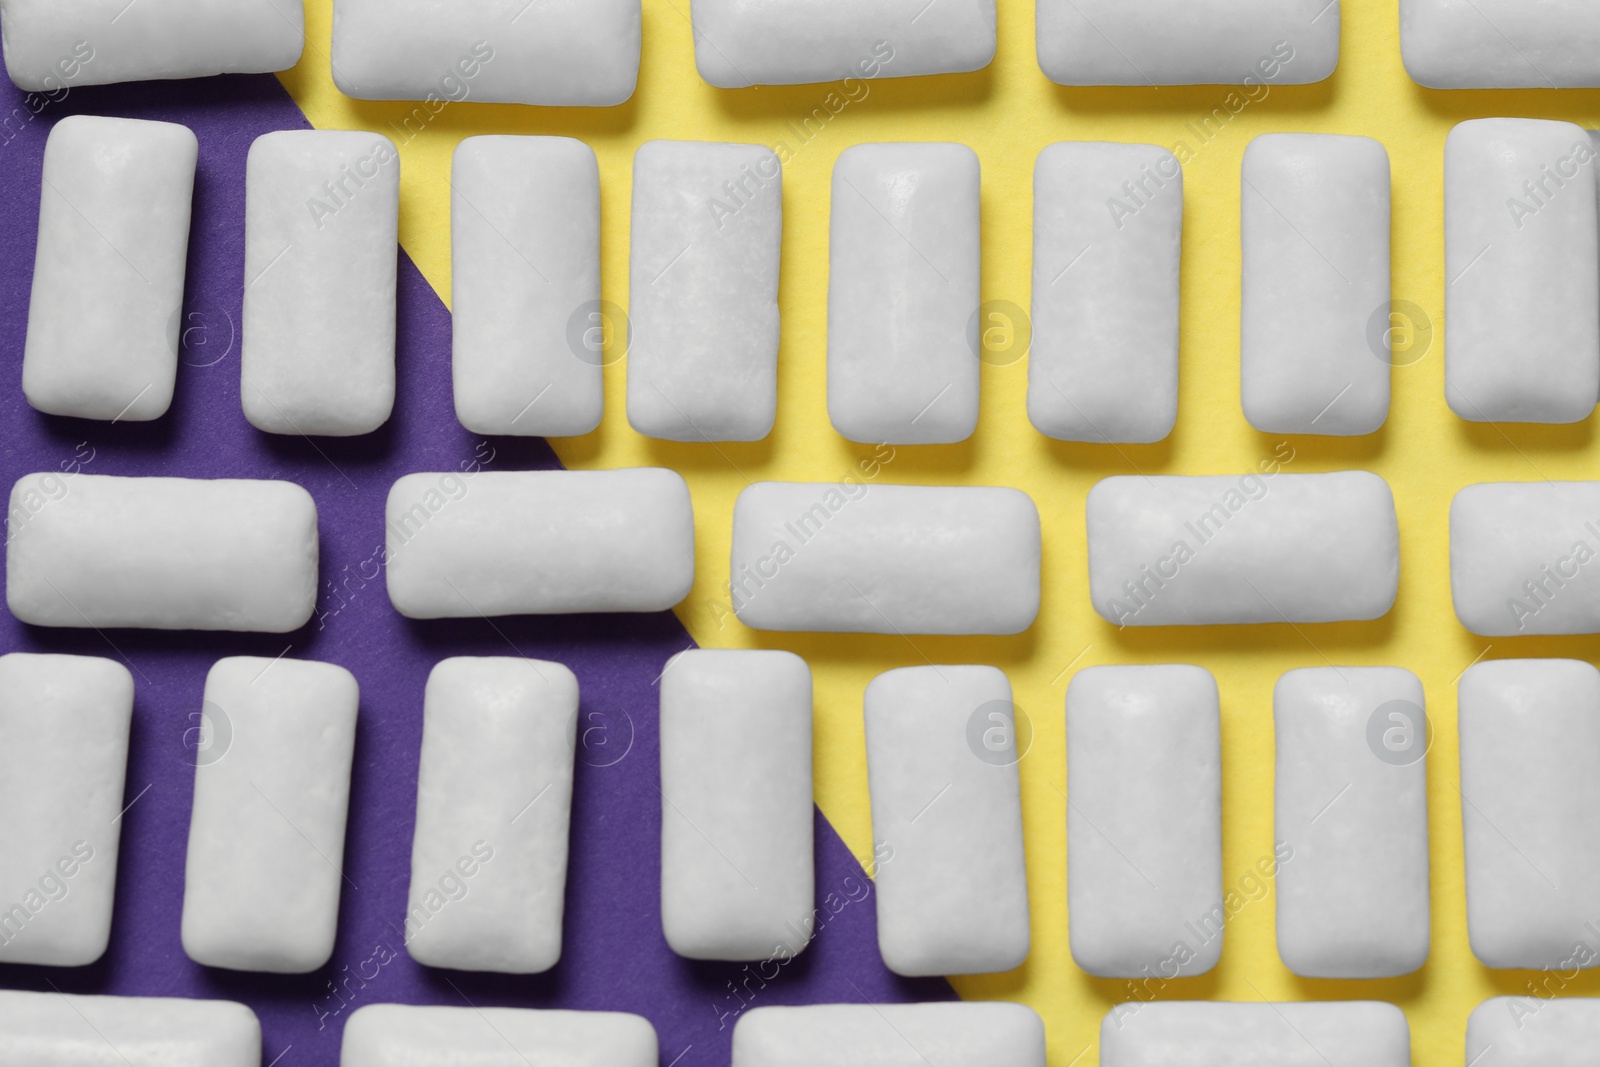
(616, 957)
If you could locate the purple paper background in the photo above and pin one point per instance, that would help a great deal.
(615, 957)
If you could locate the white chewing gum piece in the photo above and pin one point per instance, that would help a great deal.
(1522, 266)
(1144, 821)
(1518, 558)
(1351, 816)
(489, 52)
(947, 821)
(796, 42)
(399, 1035)
(1254, 43)
(848, 557)
(1530, 739)
(1185, 550)
(1540, 1031)
(67, 1030)
(703, 291)
(525, 289)
(959, 1034)
(51, 46)
(1314, 337)
(1501, 44)
(266, 837)
(1107, 239)
(107, 302)
(91, 550)
(64, 724)
(321, 258)
(903, 266)
(737, 820)
(1220, 1034)
(494, 799)
(539, 542)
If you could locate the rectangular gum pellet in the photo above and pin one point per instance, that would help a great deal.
(1221, 1034)
(386, 1035)
(942, 753)
(64, 724)
(322, 211)
(1258, 548)
(89, 550)
(494, 798)
(848, 557)
(103, 322)
(1315, 232)
(67, 1030)
(1522, 266)
(266, 837)
(737, 817)
(1530, 739)
(51, 46)
(1351, 809)
(1520, 554)
(703, 291)
(493, 52)
(1254, 43)
(792, 42)
(1144, 821)
(1501, 44)
(539, 542)
(1537, 1031)
(959, 1034)
(1107, 240)
(903, 266)
(525, 292)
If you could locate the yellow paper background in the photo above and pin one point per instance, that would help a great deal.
(1007, 113)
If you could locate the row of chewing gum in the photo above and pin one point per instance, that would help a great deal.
(264, 867)
(1144, 834)
(532, 333)
(568, 55)
(1144, 827)
(849, 557)
(195, 1033)
(1143, 811)
(500, 51)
